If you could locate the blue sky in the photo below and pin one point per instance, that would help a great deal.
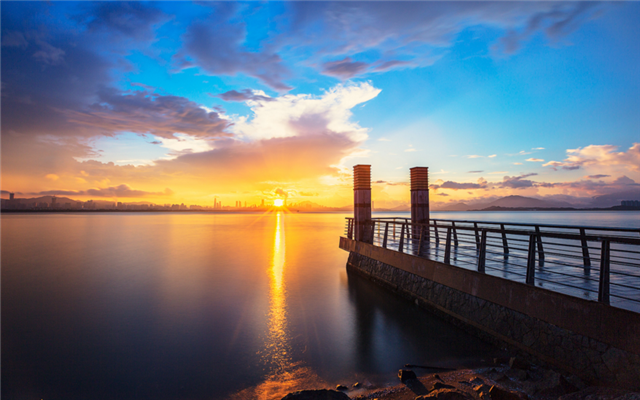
(237, 100)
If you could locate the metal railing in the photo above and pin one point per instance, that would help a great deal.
(595, 263)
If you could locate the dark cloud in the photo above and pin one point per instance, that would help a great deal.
(146, 112)
(443, 194)
(216, 45)
(243, 95)
(597, 176)
(475, 172)
(420, 31)
(60, 193)
(344, 69)
(129, 19)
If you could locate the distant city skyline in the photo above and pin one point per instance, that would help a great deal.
(197, 103)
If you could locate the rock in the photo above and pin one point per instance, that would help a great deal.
(483, 388)
(500, 393)
(476, 381)
(341, 388)
(597, 393)
(563, 387)
(322, 394)
(357, 385)
(440, 385)
(406, 374)
(517, 374)
(519, 363)
(436, 376)
(445, 394)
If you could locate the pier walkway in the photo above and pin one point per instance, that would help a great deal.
(593, 263)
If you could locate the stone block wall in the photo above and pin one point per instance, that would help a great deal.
(593, 360)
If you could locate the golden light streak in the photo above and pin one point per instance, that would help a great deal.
(278, 346)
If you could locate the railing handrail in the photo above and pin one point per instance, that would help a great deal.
(601, 228)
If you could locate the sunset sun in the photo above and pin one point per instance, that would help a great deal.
(278, 202)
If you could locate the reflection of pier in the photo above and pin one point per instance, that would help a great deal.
(566, 295)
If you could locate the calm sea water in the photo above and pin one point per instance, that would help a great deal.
(208, 306)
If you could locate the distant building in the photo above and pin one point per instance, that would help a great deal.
(11, 196)
(631, 203)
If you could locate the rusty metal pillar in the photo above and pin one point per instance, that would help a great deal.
(362, 203)
(420, 198)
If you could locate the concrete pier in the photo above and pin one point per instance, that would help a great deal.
(590, 339)
(362, 203)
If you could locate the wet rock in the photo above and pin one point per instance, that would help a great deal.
(445, 394)
(517, 374)
(357, 385)
(322, 394)
(599, 393)
(440, 385)
(341, 388)
(406, 374)
(483, 388)
(500, 393)
(476, 381)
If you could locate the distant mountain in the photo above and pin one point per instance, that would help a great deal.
(522, 202)
(455, 207)
(614, 199)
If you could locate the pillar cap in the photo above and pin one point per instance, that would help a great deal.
(361, 176)
(419, 178)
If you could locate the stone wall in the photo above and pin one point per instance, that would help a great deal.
(595, 361)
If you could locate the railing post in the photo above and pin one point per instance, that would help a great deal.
(421, 240)
(386, 233)
(435, 231)
(350, 228)
(603, 289)
(447, 247)
(505, 244)
(585, 249)
(483, 251)
(401, 245)
(455, 234)
(540, 249)
(475, 228)
(531, 261)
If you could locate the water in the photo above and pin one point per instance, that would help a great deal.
(200, 306)
(208, 306)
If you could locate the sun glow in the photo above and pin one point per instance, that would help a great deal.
(278, 202)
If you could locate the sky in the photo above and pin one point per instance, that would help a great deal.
(187, 102)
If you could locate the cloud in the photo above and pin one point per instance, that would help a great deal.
(482, 184)
(475, 172)
(600, 157)
(244, 95)
(534, 160)
(390, 64)
(127, 19)
(410, 150)
(474, 156)
(517, 182)
(492, 156)
(600, 176)
(215, 44)
(146, 112)
(537, 148)
(420, 32)
(344, 69)
(302, 114)
(52, 177)
(125, 191)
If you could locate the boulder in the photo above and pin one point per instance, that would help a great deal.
(406, 374)
(322, 394)
(440, 385)
(341, 388)
(500, 393)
